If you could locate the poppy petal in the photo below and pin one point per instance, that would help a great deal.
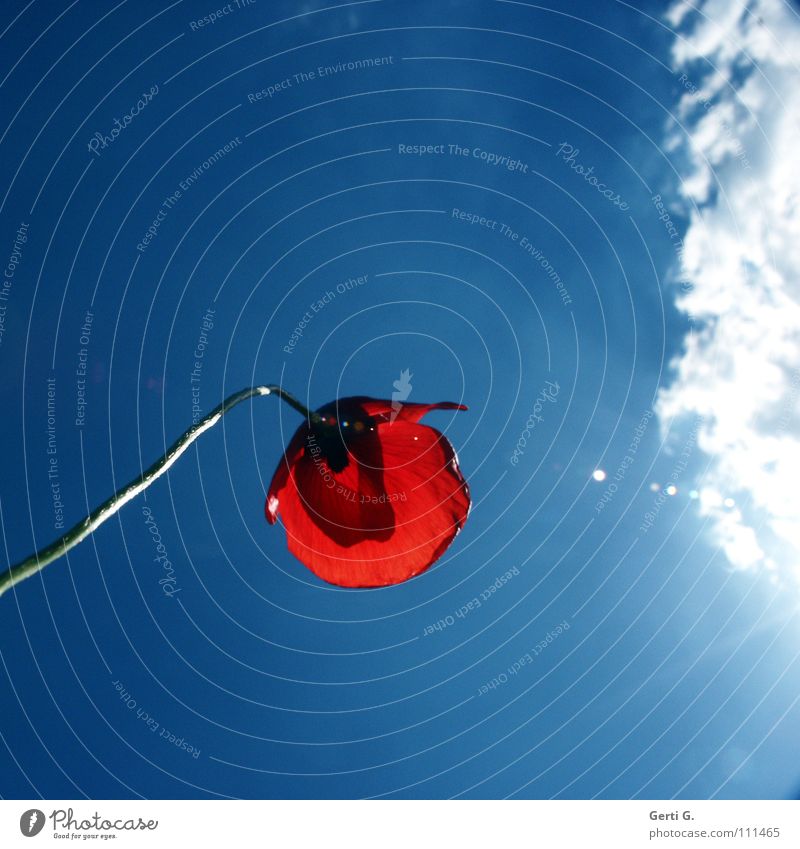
(291, 456)
(343, 504)
(402, 410)
(384, 517)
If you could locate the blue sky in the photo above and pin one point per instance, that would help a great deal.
(238, 673)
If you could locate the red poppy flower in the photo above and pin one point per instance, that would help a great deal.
(368, 496)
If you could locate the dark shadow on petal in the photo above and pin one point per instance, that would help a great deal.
(344, 493)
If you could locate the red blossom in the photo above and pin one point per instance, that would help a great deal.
(368, 496)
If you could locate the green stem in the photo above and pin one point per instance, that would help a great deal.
(36, 562)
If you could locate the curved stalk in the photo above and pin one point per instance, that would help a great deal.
(36, 562)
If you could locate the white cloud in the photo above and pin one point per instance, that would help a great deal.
(740, 368)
